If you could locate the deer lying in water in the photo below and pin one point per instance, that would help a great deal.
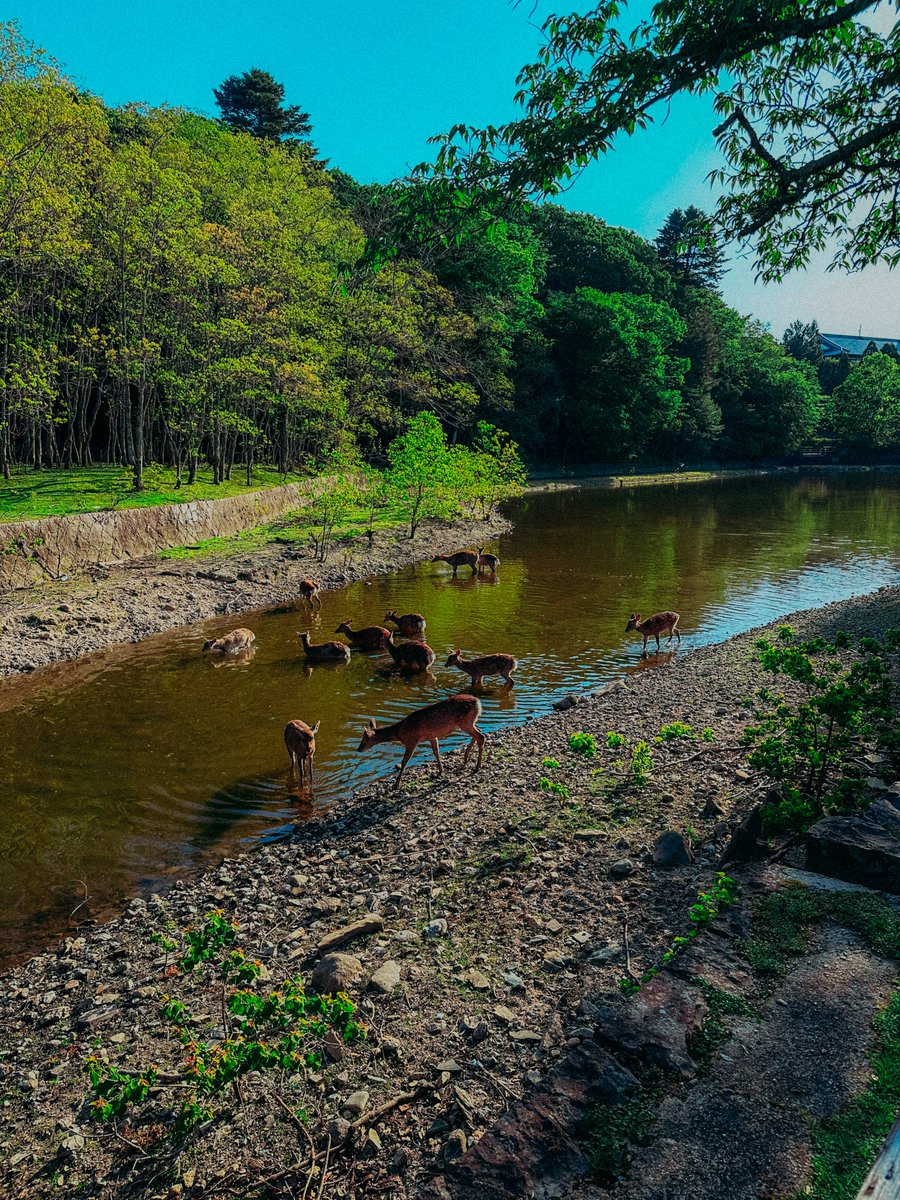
(487, 562)
(489, 664)
(231, 643)
(324, 651)
(409, 625)
(300, 740)
(462, 558)
(663, 622)
(411, 656)
(373, 637)
(428, 725)
(309, 592)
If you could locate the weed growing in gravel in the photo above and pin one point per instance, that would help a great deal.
(614, 740)
(553, 788)
(584, 744)
(674, 731)
(612, 1130)
(707, 734)
(279, 1030)
(641, 764)
(723, 893)
(550, 764)
(714, 1030)
(814, 749)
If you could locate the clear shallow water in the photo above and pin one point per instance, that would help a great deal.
(149, 760)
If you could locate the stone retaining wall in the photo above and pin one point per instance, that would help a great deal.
(51, 547)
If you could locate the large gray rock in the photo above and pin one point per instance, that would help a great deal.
(862, 849)
(655, 1024)
(335, 973)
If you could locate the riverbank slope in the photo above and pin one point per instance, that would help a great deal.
(486, 920)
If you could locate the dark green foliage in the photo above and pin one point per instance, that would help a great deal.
(612, 1131)
(803, 342)
(864, 410)
(254, 103)
(714, 1029)
(688, 246)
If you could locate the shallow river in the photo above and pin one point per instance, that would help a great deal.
(120, 772)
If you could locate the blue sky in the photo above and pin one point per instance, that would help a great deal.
(378, 80)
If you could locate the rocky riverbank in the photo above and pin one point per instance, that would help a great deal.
(481, 923)
(67, 619)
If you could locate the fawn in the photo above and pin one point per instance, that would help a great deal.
(410, 625)
(300, 740)
(487, 562)
(373, 637)
(664, 622)
(309, 592)
(411, 656)
(462, 558)
(428, 725)
(231, 643)
(489, 664)
(324, 651)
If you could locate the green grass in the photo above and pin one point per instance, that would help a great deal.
(714, 1030)
(612, 1131)
(30, 494)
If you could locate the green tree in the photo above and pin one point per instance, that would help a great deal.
(687, 244)
(803, 342)
(421, 475)
(254, 103)
(864, 410)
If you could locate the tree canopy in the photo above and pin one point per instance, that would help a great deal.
(808, 100)
(254, 103)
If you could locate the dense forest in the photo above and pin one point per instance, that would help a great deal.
(184, 290)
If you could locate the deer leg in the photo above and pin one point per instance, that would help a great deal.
(406, 757)
(509, 679)
(657, 643)
(477, 736)
(310, 764)
(677, 633)
(474, 570)
(437, 754)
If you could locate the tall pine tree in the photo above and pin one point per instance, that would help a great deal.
(687, 246)
(254, 103)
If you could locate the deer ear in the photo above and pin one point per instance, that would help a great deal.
(315, 727)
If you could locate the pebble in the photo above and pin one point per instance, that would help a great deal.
(386, 978)
(620, 869)
(357, 1102)
(437, 928)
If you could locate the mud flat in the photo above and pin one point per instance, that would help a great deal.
(486, 923)
(110, 606)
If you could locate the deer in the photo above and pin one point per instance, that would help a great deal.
(300, 740)
(373, 637)
(231, 643)
(411, 656)
(663, 622)
(410, 625)
(462, 558)
(324, 651)
(487, 562)
(489, 664)
(309, 592)
(428, 725)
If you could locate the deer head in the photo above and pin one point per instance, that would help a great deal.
(344, 627)
(453, 659)
(368, 737)
(633, 622)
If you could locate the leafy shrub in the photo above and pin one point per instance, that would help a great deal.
(583, 743)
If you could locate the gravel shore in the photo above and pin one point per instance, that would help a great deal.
(495, 912)
(116, 605)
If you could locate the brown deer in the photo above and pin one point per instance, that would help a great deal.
(324, 651)
(663, 622)
(428, 725)
(489, 664)
(300, 740)
(373, 637)
(309, 592)
(411, 656)
(462, 558)
(487, 562)
(410, 625)
(231, 643)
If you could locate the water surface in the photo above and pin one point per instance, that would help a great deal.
(146, 761)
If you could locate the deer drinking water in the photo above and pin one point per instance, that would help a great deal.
(488, 664)
(324, 651)
(428, 725)
(231, 643)
(373, 637)
(411, 625)
(309, 592)
(663, 622)
(462, 558)
(300, 740)
(487, 562)
(411, 656)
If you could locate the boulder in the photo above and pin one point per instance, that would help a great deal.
(386, 978)
(335, 973)
(671, 849)
(861, 849)
(655, 1024)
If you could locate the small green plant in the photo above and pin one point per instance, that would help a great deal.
(641, 764)
(553, 788)
(550, 764)
(674, 731)
(707, 735)
(584, 744)
(614, 740)
(714, 1030)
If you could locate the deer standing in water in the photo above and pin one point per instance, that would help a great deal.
(300, 740)
(411, 625)
(231, 643)
(411, 656)
(373, 637)
(487, 562)
(488, 664)
(428, 725)
(462, 558)
(324, 651)
(663, 622)
(309, 592)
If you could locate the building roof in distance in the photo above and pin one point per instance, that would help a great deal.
(839, 343)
